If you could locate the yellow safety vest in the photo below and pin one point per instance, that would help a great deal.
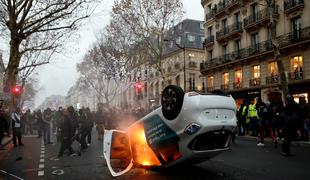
(252, 110)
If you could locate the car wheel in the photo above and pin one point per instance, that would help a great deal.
(172, 101)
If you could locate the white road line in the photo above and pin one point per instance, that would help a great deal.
(42, 152)
(41, 166)
(42, 160)
(42, 156)
(40, 173)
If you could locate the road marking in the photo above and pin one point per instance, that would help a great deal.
(41, 173)
(41, 164)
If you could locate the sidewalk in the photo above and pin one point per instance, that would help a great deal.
(268, 140)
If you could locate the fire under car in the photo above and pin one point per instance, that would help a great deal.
(188, 128)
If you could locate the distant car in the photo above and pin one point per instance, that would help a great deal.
(187, 128)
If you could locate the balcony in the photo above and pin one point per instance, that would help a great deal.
(230, 31)
(293, 5)
(224, 5)
(297, 75)
(294, 37)
(208, 64)
(254, 82)
(237, 85)
(224, 59)
(262, 17)
(272, 79)
(224, 87)
(209, 15)
(209, 41)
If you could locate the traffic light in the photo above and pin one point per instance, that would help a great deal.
(16, 90)
(139, 87)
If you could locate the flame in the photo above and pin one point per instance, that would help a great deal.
(142, 153)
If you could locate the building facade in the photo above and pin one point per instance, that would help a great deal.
(239, 52)
(183, 54)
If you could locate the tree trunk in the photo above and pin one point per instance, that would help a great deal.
(12, 69)
(276, 49)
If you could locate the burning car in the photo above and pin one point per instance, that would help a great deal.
(187, 128)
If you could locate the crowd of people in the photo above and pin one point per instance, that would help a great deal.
(67, 124)
(289, 122)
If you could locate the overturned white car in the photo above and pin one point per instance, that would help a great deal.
(187, 128)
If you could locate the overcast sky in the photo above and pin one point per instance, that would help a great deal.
(61, 74)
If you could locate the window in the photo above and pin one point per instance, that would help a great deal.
(210, 55)
(224, 26)
(192, 81)
(191, 38)
(178, 40)
(209, 8)
(224, 50)
(296, 63)
(255, 42)
(171, 44)
(238, 76)
(237, 47)
(201, 26)
(211, 81)
(272, 68)
(256, 71)
(254, 12)
(210, 31)
(225, 81)
(296, 27)
(237, 19)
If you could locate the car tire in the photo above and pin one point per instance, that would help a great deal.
(172, 101)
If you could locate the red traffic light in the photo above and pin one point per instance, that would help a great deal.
(139, 86)
(16, 90)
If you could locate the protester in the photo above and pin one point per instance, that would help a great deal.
(67, 131)
(47, 118)
(16, 126)
(39, 122)
(288, 122)
(252, 114)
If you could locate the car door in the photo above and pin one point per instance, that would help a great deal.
(117, 152)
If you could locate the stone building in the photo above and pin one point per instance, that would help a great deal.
(239, 53)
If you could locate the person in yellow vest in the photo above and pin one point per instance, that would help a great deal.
(252, 114)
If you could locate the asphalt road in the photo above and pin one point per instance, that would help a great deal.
(244, 161)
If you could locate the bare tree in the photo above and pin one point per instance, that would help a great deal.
(276, 49)
(34, 25)
(148, 21)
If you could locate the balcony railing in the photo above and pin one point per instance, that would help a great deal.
(237, 85)
(225, 58)
(295, 36)
(225, 86)
(229, 30)
(272, 79)
(259, 17)
(293, 5)
(221, 7)
(209, 41)
(209, 15)
(254, 82)
(297, 75)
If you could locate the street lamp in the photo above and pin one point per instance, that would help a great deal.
(184, 63)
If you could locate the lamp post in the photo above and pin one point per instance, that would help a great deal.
(184, 63)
